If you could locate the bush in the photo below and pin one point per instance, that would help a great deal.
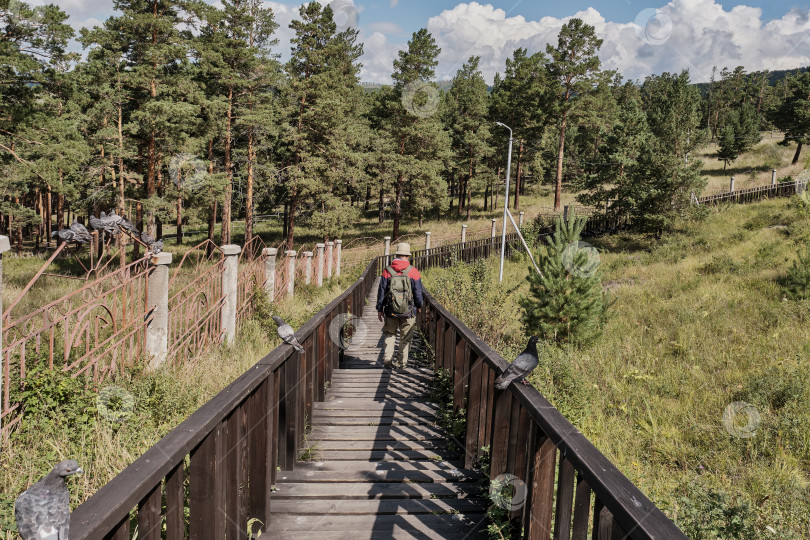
(797, 281)
(567, 302)
(708, 512)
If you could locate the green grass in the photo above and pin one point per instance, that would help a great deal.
(62, 422)
(700, 321)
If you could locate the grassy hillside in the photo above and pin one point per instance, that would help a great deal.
(699, 322)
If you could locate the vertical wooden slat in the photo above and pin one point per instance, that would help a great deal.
(582, 510)
(607, 528)
(565, 496)
(321, 356)
(206, 488)
(460, 382)
(449, 348)
(175, 502)
(282, 418)
(235, 463)
(515, 427)
(121, 531)
(149, 521)
(291, 399)
(257, 414)
(597, 516)
(542, 488)
(500, 432)
(301, 403)
(473, 411)
(309, 374)
(439, 347)
(485, 408)
(272, 441)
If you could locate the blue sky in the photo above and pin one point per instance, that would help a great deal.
(640, 37)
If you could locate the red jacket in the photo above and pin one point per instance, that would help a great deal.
(416, 284)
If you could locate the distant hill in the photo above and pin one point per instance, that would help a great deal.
(773, 77)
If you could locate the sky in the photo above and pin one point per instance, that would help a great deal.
(640, 37)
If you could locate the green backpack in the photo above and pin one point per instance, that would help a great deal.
(399, 294)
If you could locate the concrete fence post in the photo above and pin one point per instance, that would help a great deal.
(5, 245)
(308, 267)
(463, 234)
(157, 330)
(230, 290)
(520, 219)
(566, 210)
(329, 249)
(270, 272)
(338, 250)
(290, 272)
(387, 251)
(731, 185)
(427, 241)
(494, 226)
(773, 177)
(319, 269)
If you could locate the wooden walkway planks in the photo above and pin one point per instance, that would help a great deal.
(380, 471)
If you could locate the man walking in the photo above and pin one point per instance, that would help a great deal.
(399, 299)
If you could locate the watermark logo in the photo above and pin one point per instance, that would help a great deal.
(187, 171)
(581, 259)
(421, 99)
(346, 329)
(115, 404)
(653, 26)
(344, 14)
(22, 13)
(741, 419)
(509, 492)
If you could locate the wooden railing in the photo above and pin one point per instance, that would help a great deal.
(784, 189)
(212, 474)
(219, 464)
(569, 482)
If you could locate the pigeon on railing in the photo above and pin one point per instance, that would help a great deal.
(155, 246)
(69, 235)
(81, 232)
(522, 366)
(285, 332)
(43, 510)
(103, 223)
(122, 222)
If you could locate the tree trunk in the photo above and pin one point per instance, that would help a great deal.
(226, 204)
(558, 183)
(48, 206)
(496, 189)
(38, 206)
(381, 208)
(518, 176)
(60, 211)
(249, 194)
(468, 189)
(486, 195)
(397, 208)
(291, 220)
(212, 210)
(796, 155)
(179, 221)
(368, 198)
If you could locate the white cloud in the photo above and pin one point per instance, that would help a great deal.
(394, 3)
(685, 34)
(386, 28)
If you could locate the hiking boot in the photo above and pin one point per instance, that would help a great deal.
(387, 365)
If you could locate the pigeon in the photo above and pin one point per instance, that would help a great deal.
(155, 246)
(122, 222)
(43, 510)
(103, 223)
(522, 366)
(81, 232)
(286, 333)
(66, 235)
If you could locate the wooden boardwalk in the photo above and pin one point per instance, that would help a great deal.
(378, 469)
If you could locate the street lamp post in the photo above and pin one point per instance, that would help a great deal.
(505, 200)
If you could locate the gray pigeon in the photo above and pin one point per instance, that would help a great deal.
(522, 366)
(104, 223)
(122, 222)
(155, 246)
(81, 232)
(43, 510)
(286, 333)
(66, 235)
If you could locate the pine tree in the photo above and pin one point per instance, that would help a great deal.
(566, 303)
(793, 116)
(469, 129)
(574, 69)
(797, 282)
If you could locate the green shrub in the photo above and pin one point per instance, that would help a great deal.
(797, 281)
(567, 302)
(709, 513)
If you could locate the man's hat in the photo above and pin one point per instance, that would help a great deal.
(403, 248)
